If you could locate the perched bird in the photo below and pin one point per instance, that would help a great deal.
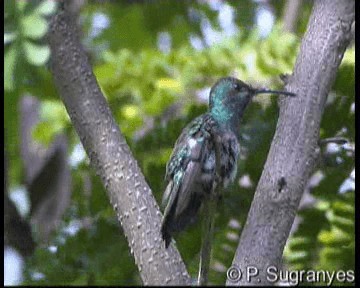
(191, 170)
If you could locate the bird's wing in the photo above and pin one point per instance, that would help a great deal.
(230, 151)
(183, 169)
(187, 147)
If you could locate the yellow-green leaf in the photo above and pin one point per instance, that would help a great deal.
(36, 54)
(34, 26)
(9, 67)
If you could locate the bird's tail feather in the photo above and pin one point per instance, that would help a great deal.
(169, 199)
(175, 221)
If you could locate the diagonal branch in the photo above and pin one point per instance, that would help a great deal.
(47, 173)
(294, 148)
(110, 156)
(17, 230)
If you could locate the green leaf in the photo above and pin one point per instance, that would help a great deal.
(130, 112)
(9, 37)
(298, 256)
(335, 237)
(45, 132)
(21, 4)
(54, 120)
(345, 224)
(34, 26)
(36, 54)
(46, 8)
(103, 73)
(9, 68)
(169, 84)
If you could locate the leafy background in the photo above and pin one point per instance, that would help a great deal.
(155, 63)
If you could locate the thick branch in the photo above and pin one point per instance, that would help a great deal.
(294, 148)
(110, 156)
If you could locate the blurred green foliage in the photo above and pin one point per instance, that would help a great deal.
(153, 95)
(328, 245)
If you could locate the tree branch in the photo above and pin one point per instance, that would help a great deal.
(291, 14)
(17, 230)
(294, 148)
(46, 170)
(110, 156)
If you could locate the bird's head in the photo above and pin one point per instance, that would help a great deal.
(230, 92)
(230, 96)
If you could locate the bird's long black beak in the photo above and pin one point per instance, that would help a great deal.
(268, 91)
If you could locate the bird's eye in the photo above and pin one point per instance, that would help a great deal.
(237, 87)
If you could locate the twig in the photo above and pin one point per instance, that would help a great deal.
(285, 78)
(336, 140)
(208, 231)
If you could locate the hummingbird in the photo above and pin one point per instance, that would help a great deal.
(192, 168)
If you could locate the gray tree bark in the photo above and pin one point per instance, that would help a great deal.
(110, 156)
(294, 148)
(47, 173)
(291, 13)
(17, 231)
